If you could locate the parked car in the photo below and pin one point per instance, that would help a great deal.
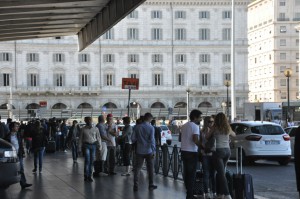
(261, 140)
(166, 135)
(292, 132)
(9, 165)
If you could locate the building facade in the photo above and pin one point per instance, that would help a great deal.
(171, 46)
(273, 48)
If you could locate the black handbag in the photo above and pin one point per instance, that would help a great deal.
(210, 144)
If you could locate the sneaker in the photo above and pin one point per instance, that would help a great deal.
(26, 185)
(65, 151)
(103, 174)
(125, 174)
(34, 171)
(89, 179)
(152, 187)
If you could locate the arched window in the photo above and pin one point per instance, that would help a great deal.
(158, 105)
(59, 106)
(110, 105)
(84, 105)
(4, 106)
(33, 106)
(180, 105)
(205, 104)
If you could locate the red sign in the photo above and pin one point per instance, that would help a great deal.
(130, 83)
(43, 103)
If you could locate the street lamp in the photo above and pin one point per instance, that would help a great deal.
(188, 90)
(288, 74)
(227, 84)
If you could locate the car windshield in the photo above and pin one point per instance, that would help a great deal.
(267, 130)
(164, 128)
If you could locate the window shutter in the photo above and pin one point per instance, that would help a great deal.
(105, 80)
(64, 79)
(207, 15)
(160, 34)
(37, 57)
(201, 80)
(152, 33)
(62, 57)
(137, 58)
(89, 80)
(182, 80)
(28, 57)
(160, 14)
(88, 57)
(208, 58)
(37, 80)
(177, 79)
(208, 34)
(184, 15)
(112, 58)
(28, 79)
(153, 79)
(113, 80)
(53, 56)
(137, 34)
(208, 79)
(9, 56)
(1, 79)
(223, 15)
(184, 34)
(80, 58)
(184, 58)
(128, 34)
(152, 14)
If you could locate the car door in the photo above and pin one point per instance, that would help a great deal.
(241, 130)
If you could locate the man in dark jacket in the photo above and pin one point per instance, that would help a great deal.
(157, 133)
(16, 139)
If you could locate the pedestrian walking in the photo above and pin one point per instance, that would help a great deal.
(111, 130)
(39, 142)
(190, 141)
(73, 138)
(90, 140)
(126, 145)
(143, 136)
(221, 131)
(16, 139)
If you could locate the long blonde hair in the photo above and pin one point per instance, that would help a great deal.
(221, 124)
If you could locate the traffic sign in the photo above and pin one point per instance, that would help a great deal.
(130, 83)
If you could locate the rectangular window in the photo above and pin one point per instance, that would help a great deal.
(133, 15)
(282, 82)
(204, 34)
(282, 68)
(180, 79)
(108, 58)
(157, 79)
(297, 42)
(227, 76)
(109, 34)
(59, 79)
(58, 57)
(84, 58)
(32, 57)
(282, 42)
(109, 79)
(180, 58)
(5, 56)
(283, 29)
(84, 79)
(204, 58)
(297, 56)
(157, 58)
(156, 14)
(133, 34)
(156, 34)
(133, 58)
(226, 14)
(180, 34)
(282, 56)
(281, 16)
(226, 58)
(180, 14)
(282, 3)
(33, 80)
(133, 75)
(297, 69)
(205, 80)
(226, 34)
(5, 79)
(297, 82)
(283, 95)
(204, 15)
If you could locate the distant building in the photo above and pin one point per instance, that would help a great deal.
(171, 46)
(273, 47)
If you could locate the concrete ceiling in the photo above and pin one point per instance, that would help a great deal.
(89, 19)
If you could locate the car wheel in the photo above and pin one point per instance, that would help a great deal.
(169, 142)
(284, 161)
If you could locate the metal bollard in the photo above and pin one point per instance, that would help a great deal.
(165, 160)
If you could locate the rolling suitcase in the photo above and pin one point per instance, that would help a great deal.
(242, 183)
(198, 185)
(51, 146)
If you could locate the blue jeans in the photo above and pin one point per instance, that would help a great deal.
(208, 174)
(38, 154)
(90, 153)
(189, 160)
(220, 159)
(74, 150)
(23, 179)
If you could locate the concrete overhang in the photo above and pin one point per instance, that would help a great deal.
(88, 19)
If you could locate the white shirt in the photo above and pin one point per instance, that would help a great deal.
(187, 131)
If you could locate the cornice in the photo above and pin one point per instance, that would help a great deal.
(196, 2)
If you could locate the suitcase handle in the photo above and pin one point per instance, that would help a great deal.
(239, 170)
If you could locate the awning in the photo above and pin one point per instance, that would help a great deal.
(31, 19)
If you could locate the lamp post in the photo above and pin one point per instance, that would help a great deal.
(288, 74)
(187, 102)
(227, 84)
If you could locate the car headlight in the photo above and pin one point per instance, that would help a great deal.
(10, 154)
